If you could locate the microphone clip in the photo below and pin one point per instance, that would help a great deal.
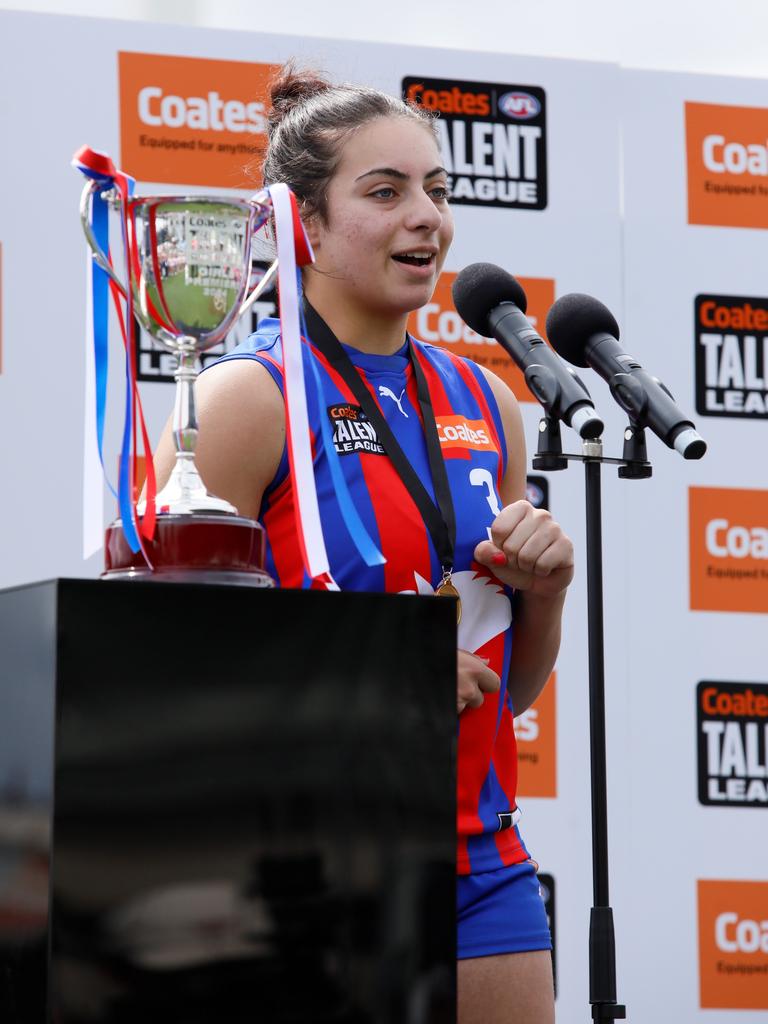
(549, 451)
(633, 464)
(635, 454)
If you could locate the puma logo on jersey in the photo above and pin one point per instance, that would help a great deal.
(384, 392)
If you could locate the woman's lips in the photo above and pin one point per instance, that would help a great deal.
(422, 269)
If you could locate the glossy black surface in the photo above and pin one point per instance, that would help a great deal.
(27, 687)
(254, 807)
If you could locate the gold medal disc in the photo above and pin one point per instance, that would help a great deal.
(447, 589)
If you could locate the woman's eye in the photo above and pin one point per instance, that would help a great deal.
(440, 192)
(384, 193)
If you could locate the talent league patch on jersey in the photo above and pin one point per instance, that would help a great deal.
(353, 432)
(459, 432)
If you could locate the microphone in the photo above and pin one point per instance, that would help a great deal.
(493, 303)
(584, 331)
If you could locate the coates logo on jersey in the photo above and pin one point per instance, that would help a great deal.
(728, 549)
(536, 735)
(439, 324)
(460, 433)
(727, 165)
(492, 137)
(732, 724)
(191, 121)
(731, 356)
(733, 944)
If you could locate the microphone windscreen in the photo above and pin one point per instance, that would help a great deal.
(482, 287)
(573, 320)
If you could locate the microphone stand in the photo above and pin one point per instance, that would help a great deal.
(633, 465)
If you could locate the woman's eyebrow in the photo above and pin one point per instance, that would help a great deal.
(392, 172)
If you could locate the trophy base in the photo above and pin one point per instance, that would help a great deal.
(192, 549)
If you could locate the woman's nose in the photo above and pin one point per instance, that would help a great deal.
(422, 213)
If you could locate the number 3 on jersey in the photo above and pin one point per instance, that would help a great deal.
(482, 478)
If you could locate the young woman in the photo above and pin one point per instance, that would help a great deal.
(366, 170)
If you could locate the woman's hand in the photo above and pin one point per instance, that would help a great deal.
(474, 678)
(529, 551)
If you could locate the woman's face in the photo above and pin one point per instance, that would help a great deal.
(388, 223)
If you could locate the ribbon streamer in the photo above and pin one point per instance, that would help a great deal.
(289, 256)
(100, 168)
(294, 251)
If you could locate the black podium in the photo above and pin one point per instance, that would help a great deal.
(220, 804)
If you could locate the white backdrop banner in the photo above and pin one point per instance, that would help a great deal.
(696, 313)
(534, 148)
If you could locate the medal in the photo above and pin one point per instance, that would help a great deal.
(447, 589)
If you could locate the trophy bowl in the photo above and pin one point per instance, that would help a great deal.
(189, 260)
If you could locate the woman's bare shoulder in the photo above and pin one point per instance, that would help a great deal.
(238, 380)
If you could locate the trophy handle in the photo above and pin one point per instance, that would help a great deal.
(261, 287)
(261, 211)
(91, 189)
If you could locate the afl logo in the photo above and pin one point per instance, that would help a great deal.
(520, 106)
(534, 493)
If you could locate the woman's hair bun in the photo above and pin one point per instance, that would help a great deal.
(292, 87)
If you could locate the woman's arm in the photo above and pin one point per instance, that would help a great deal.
(242, 433)
(530, 552)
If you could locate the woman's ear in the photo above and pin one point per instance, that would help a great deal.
(311, 223)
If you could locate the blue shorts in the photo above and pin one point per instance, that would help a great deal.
(500, 912)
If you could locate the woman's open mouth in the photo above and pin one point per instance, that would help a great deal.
(415, 258)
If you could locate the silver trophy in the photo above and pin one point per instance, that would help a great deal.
(189, 261)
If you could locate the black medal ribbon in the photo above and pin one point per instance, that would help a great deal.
(440, 518)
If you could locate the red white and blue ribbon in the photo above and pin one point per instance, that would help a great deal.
(100, 168)
(293, 252)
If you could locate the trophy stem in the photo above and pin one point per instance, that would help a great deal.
(185, 426)
(185, 491)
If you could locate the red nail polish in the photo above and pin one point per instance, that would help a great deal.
(499, 558)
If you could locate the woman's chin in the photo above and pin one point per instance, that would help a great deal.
(407, 300)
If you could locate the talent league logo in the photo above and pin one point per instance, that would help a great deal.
(727, 165)
(731, 356)
(353, 432)
(732, 730)
(438, 323)
(493, 139)
(536, 735)
(728, 538)
(191, 121)
(733, 944)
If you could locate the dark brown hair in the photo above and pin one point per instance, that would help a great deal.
(309, 122)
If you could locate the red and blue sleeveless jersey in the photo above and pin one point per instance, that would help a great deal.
(472, 442)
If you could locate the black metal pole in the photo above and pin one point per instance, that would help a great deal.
(602, 948)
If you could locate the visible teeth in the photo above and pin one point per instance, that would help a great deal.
(417, 255)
